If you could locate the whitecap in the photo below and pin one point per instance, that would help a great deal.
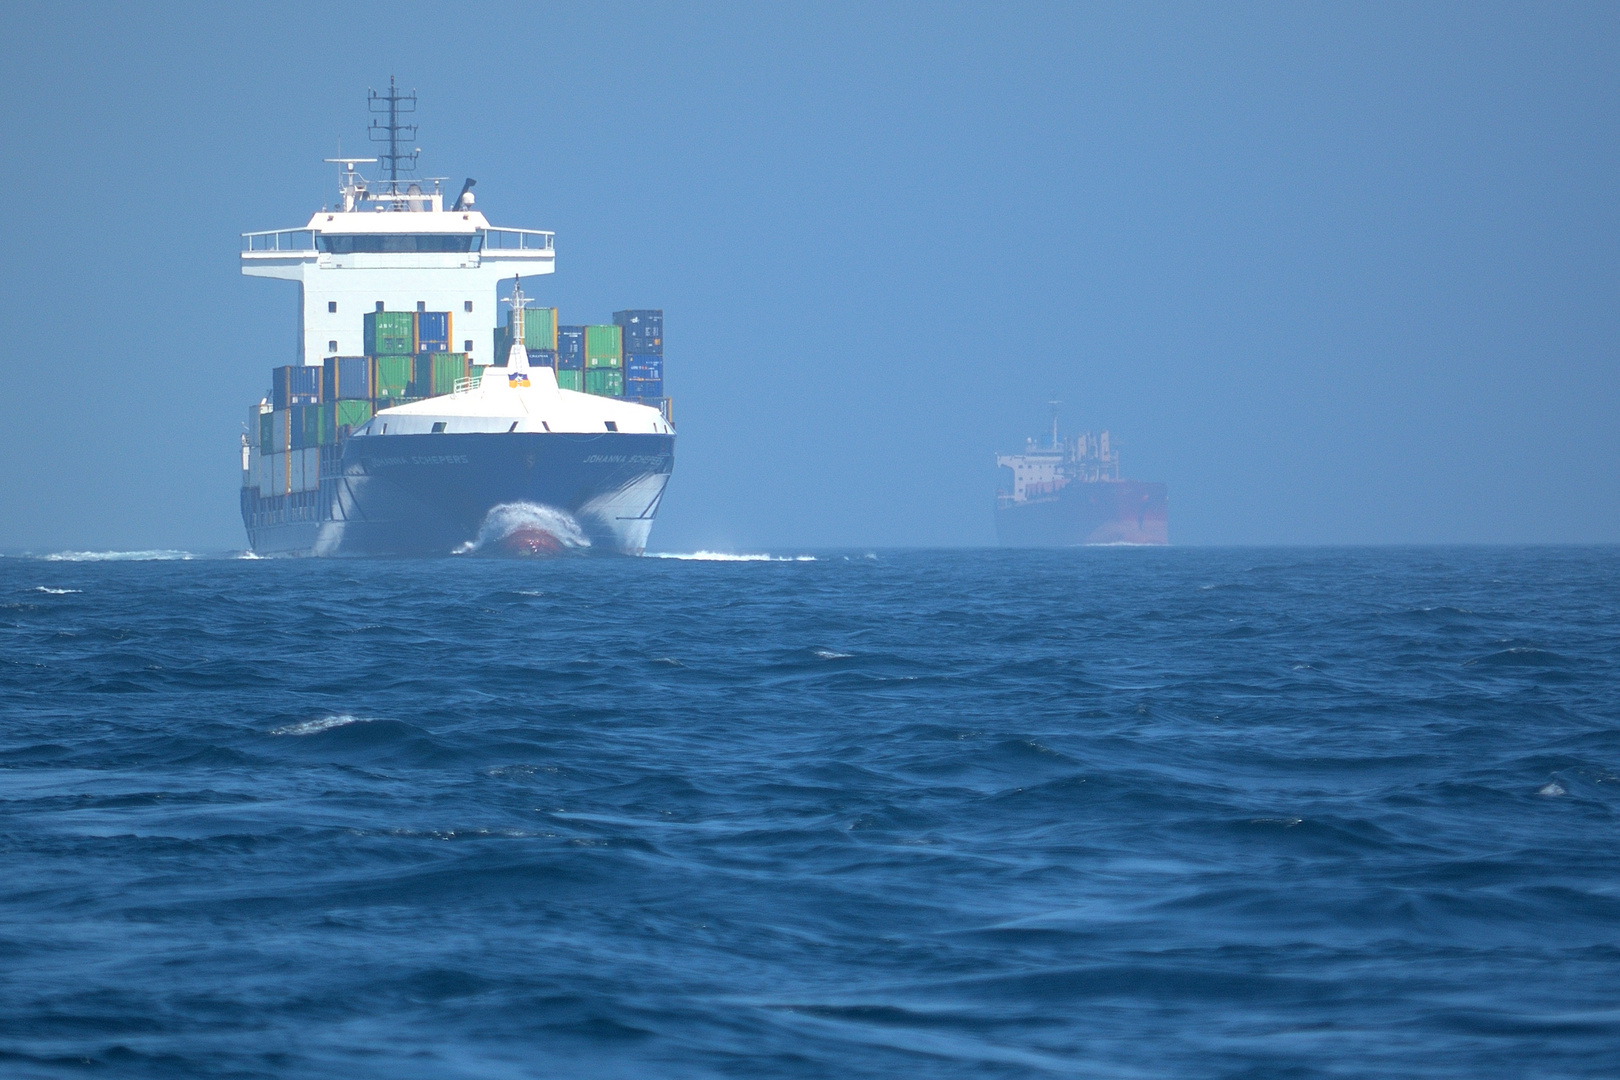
(828, 654)
(156, 555)
(1552, 789)
(315, 727)
(55, 592)
(726, 556)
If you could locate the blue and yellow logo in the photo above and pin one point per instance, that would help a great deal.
(517, 378)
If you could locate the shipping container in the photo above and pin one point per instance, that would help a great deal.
(643, 366)
(571, 380)
(310, 469)
(636, 388)
(342, 418)
(539, 327)
(602, 347)
(390, 333)
(272, 474)
(542, 357)
(346, 378)
(280, 431)
(571, 348)
(437, 373)
(267, 436)
(643, 329)
(434, 330)
(607, 382)
(391, 376)
(295, 384)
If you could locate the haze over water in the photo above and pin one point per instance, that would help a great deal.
(1116, 812)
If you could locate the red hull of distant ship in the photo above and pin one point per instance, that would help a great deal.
(1080, 513)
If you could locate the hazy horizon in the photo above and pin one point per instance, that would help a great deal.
(1338, 275)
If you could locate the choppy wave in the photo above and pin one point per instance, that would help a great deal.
(315, 727)
(937, 814)
(507, 518)
(55, 592)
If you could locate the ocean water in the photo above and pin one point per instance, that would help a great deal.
(1101, 813)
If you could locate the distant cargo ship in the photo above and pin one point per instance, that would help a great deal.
(395, 433)
(1068, 493)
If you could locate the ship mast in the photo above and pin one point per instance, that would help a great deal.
(394, 161)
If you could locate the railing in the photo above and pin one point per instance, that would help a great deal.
(517, 240)
(279, 240)
(469, 383)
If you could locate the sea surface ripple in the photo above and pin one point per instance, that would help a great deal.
(1104, 813)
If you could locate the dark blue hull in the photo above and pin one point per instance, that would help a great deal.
(448, 493)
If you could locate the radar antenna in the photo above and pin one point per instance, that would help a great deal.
(393, 132)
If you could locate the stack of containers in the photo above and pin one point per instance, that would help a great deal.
(346, 396)
(643, 331)
(392, 342)
(571, 357)
(604, 361)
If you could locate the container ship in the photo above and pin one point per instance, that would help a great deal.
(1068, 493)
(394, 432)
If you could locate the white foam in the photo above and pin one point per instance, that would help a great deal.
(117, 556)
(828, 654)
(726, 556)
(1552, 789)
(315, 727)
(507, 518)
(55, 592)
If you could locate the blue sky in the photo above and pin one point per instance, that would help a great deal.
(1336, 273)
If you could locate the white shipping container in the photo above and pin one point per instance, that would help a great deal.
(273, 477)
(312, 468)
(281, 429)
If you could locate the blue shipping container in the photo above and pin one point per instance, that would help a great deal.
(433, 325)
(639, 388)
(542, 357)
(571, 348)
(295, 384)
(643, 366)
(432, 331)
(346, 378)
(643, 329)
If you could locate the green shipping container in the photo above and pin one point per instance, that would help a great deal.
(476, 371)
(437, 373)
(390, 333)
(606, 382)
(313, 428)
(539, 329)
(571, 380)
(391, 376)
(604, 347)
(267, 433)
(337, 415)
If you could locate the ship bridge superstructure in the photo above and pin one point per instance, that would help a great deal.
(393, 245)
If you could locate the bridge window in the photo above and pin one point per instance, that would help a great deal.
(331, 307)
(466, 346)
(466, 305)
(438, 427)
(611, 425)
(393, 243)
(331, 346)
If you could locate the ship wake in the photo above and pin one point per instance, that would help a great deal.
(526, 529)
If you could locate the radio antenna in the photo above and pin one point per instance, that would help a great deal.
(393, 104)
